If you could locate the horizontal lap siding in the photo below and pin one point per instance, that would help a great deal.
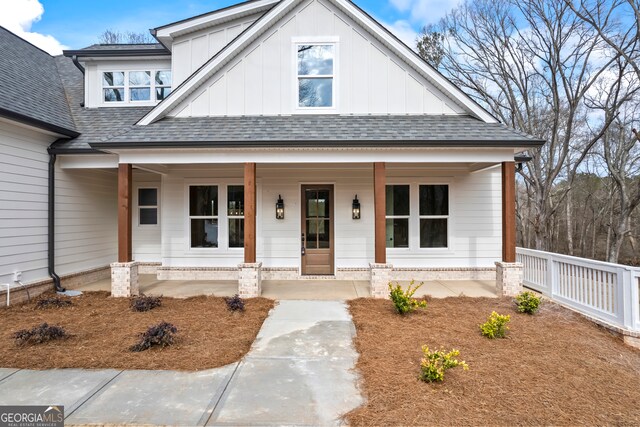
(23, 203)
(475, 216)
(86, 219)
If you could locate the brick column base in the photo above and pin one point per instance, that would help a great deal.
(124, 279)
(380, 278)
(250, 280)
(508, 278)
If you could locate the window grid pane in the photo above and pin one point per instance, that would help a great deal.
(433, 232)
(147, 197)
(203, 200)
(434, 200)
(397, 232)
(148, 216)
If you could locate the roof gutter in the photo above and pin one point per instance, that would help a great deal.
(320, 144)
(104, 53)
(12, 115)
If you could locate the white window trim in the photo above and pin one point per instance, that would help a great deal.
(333, 41)
(222, 217)
(414, 217)
(127, 87)
(157, 206)
(447, 217)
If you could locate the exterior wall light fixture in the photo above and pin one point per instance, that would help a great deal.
(280, 208)
(355, 208)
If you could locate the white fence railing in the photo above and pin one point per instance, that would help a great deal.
(605, 291)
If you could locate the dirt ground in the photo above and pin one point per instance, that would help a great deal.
(103, 329)
(555, 368)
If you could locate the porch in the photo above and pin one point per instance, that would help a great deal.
(433, 216)
(297, 289)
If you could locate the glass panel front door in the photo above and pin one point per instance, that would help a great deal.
(317, 230)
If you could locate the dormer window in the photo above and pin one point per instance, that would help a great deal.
(135, 86)
(316, 74)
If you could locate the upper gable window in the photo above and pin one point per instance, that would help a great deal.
(135, 86)
(316, 73)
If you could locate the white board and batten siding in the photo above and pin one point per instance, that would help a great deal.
(190, 51)
(85, 210)
(369, 78)
(475, 216)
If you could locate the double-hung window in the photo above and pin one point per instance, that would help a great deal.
(203, 216)
(398, 212)
(315, 74)
(139, 85)
(113, 86)
(235, 214)
(147, 206)
(434, 216)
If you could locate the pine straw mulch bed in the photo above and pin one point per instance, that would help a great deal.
(554, 368)
(103, 328)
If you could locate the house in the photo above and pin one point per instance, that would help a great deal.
(267, 140)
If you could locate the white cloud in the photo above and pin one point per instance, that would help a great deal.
(19, 15)
(404, 31)
(422, 12)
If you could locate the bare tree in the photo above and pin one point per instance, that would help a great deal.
(110, 36)
(430, 44)
(533, 64)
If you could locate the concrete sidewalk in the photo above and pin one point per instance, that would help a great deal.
(298, 372)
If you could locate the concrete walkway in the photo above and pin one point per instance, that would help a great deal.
(298, 372)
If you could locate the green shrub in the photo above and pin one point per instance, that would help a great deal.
(403, 300)
(435, 363)
(496, 326)
(527, 302)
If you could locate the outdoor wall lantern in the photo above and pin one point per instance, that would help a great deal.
(280, 208)
(355, 208)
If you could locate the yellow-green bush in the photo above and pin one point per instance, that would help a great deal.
(435, 363)
(403, 300)
(527, 302)
(496, 326)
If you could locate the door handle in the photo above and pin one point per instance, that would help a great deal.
(302, 249)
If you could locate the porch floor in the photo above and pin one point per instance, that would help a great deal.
(297, 289)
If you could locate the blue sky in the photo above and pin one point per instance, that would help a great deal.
(57, 24)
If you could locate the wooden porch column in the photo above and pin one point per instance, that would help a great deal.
(249, 213)
(380, 191)
(508, 212)
(124, 213)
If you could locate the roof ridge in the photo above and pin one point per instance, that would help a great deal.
(26, 41)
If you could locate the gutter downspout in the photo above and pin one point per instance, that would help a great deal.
(74, 58)
(51, 226)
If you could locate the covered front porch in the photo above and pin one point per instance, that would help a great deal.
(253, 228)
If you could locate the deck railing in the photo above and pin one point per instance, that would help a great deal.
(605, 291)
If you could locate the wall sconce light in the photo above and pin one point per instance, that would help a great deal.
(355, 208)
(280, 208)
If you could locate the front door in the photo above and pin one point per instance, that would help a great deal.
(317, 229)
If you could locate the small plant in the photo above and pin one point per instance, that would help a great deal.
(162, 334)
(39, 334)
(435, 363)
(235, 303)
(403, 300)
(527, 302)
(52, 302)
(145, 303)
(496, 326)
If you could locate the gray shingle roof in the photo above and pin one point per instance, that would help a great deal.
(319, 130)
(30, 87)
(115, 126)
(94, 124)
